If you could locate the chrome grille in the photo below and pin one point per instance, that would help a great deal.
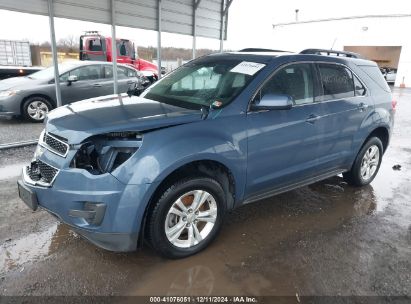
(54, 144)
(41, 173)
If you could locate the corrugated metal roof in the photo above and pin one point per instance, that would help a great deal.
(177, 15)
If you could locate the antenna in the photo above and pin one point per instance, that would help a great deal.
(335, 39)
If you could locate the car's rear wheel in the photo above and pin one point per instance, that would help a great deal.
(187, 217)
(36, 108)
(366, 164)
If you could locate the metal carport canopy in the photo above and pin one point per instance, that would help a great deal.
(177, 15)
(205, 18)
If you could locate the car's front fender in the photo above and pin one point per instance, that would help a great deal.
(164, 151)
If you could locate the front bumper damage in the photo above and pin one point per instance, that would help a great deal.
(102, 209)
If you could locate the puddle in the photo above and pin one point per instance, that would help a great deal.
(32, 247)
(11, 171)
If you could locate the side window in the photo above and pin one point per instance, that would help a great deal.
(122, 48)
(337, 81)
(64, 77)
(359, 88)
(108, 71)
(83, 73)
(122, 72)
(87, 72)
(295, 80)
(131, 73)
(94, 45)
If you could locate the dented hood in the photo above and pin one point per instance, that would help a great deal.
(114, 113)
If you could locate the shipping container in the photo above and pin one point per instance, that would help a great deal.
(16, 53)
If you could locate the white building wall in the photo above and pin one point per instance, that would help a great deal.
(358, 32)
(404, 67)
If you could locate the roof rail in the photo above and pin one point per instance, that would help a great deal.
(330, 52)
(260, 50)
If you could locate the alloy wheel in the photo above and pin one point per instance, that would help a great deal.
(37, 110)
(369, 162)
(191, 218)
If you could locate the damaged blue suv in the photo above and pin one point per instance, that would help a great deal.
(221, 131)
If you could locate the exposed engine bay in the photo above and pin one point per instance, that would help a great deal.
(104, 153)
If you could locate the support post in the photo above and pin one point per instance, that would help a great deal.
(54, 52)
(159, 38)
(222, 27)
(114, 46)
(225, 5)
(196, 3)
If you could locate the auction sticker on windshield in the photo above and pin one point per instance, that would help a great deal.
(246, 67)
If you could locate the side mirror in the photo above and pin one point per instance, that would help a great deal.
(273, 102)
(135, 89)
(72, 78)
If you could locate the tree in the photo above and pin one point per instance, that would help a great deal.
(69, 44)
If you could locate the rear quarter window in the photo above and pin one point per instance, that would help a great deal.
(375, 74)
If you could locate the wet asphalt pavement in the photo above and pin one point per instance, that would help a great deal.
(17, 130)
(324, 239)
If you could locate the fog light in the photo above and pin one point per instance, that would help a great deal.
(93, 213)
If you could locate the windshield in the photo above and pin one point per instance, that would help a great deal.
(48, 74)
(204, 83)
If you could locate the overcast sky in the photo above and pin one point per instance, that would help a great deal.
(250, 22)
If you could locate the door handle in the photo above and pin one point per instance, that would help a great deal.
(97, 85)
(363, 106)
(312, 118)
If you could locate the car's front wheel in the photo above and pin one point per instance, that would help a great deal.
(36, 108)
(187, 217)
(366, 164)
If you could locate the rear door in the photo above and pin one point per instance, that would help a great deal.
(345, 104)
(126, 77)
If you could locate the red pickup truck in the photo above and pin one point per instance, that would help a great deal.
(96, 47)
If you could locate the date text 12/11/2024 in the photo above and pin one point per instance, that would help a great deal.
(203, 299)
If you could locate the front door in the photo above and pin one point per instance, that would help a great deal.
(283, 144)
(88, 84)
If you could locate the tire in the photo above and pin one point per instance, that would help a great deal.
(164, 217)
(35, 108)
(357, 176)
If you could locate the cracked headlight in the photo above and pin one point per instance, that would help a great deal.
(105, 153)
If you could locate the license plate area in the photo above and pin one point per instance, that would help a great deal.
(27, 196)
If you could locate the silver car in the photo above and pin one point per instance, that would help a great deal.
(34, 95)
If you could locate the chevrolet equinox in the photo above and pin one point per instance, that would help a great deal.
(221, 131)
